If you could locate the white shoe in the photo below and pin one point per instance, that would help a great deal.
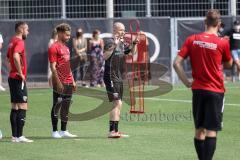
(2, 88)
(24, 139)
(122, 135)
(67, 134)
(14, 139)
(113, 134)
(56, 134)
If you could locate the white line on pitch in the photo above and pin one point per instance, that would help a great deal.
(185, 101)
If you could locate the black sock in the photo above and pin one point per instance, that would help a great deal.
(111, 126)
(199, 146)
(54, 118)
(209, 147)
(116, 126)
(64, 113)
(21, 116)
(13, 120)
(63, 125)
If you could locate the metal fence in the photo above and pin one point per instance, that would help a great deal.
(57, 9)
(187, 8)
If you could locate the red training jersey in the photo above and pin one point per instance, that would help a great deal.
(206, 53)
(59, 53)
(17, 45)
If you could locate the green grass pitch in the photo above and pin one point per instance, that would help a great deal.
(167, 136)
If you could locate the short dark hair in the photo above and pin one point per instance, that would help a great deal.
(18, 24)
(212, 18)
(54, 33)
(63, 27)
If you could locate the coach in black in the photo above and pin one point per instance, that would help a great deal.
(208, 55)
(114, 51)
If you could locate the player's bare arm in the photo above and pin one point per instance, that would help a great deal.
(7, 63)
(55, 77)
(228, 64)
(180, 72)
(17, 62)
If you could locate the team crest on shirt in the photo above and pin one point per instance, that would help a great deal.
(65, 54)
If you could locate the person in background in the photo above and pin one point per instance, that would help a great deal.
(234, 37)
(80, 49)
(96, 45)
(51, 41)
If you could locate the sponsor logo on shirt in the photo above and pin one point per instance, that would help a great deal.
(207, 45)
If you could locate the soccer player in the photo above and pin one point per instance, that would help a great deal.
(208, 55)
(114, 51)
(17, 81)
(80, 49)
(62, 80)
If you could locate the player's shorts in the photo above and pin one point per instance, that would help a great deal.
(235, 54)
(66, 95)
(208, 109)
(114, 89)
(18, 90)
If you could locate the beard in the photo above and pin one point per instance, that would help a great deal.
(24, 37)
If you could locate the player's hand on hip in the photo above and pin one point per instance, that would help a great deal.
(22, 77)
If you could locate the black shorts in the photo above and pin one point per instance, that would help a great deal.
(66, 95)
(208, 109)
(114, 89)
(18, 90)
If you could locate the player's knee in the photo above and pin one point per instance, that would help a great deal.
(23, 106)
(210, 133)
(118, 104)
(200, 133)
(14, 106)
